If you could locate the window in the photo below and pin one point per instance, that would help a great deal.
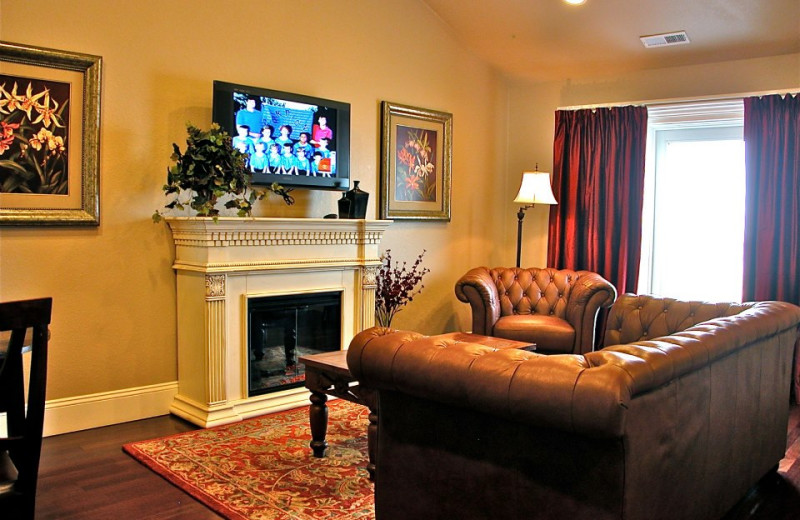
(693, 218)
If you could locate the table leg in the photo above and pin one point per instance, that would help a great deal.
(318, 419)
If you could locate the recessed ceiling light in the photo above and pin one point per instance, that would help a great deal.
(575, 2)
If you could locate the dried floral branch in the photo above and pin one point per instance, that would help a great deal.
(396, 286)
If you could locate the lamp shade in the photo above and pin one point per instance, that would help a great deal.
(535, 189)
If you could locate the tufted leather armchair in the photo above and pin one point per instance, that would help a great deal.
(556, 309)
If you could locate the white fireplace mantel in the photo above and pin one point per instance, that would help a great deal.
(219, 264)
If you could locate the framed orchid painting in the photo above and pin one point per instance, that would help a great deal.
(416, 148)
(49, 136)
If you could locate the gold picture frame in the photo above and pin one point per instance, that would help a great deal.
(49, 137)
(416, 150)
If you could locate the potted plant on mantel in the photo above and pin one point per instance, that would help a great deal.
(210, 169)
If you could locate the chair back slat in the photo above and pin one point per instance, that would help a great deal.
(24, 420)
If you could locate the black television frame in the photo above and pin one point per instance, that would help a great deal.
(224, 113)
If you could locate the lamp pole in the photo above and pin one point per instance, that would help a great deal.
(520, 217)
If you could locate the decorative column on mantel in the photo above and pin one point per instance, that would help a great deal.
(220, 264)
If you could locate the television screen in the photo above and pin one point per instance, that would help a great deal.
(292, 139)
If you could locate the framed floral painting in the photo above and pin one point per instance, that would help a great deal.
(49, 136)
(416, 148)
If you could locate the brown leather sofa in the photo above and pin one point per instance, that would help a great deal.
(556, 309)
(677, 418)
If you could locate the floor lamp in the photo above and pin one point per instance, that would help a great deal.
(534, 189)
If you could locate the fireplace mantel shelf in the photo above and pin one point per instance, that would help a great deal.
(220, 264)
(256, 231)
(242, 244)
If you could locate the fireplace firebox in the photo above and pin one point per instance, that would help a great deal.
(282, 328)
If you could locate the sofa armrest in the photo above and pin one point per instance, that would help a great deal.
(478, 289)
(590, 293)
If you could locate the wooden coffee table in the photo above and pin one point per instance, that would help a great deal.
(327, 374)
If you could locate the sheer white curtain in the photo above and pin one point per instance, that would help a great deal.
(693, 228)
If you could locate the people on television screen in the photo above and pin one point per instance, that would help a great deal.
(274, 158)
(320, 130)
(304, 144)
(284, 138)
(258, 161)
(287, 161)
(323, 148)
(315, 164)
(301, 163)
(266, 137)
(250, 117)
(243, 142)
(323, 166)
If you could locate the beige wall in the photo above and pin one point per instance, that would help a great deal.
(113, 287)
(531, 112)
(114, 314)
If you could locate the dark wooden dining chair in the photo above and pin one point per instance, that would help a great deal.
(21, 447)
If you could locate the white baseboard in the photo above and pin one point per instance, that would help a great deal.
(92, 411)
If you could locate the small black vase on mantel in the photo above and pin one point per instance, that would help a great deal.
(353, 204)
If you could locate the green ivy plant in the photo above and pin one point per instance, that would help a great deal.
(211, 168)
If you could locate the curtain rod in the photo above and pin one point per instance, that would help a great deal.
(669, 101)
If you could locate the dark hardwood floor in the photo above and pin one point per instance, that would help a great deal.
(87, 476)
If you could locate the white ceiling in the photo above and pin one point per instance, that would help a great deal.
(543, 40)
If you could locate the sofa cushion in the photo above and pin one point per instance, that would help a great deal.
(550, 334)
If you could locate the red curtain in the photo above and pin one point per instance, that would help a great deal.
(598, 181)
(772, 199)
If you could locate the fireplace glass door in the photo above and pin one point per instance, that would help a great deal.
(283, 328)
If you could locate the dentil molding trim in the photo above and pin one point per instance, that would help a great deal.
(235, 231)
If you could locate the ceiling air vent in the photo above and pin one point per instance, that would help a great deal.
(665, 40)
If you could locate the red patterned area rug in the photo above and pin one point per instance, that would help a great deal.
(263, 468)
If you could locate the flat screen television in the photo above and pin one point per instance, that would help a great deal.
(292, 139)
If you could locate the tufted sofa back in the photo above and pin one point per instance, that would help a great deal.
(638, 317)
(534, 290)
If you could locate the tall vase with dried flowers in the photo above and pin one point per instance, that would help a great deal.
(396, 286)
